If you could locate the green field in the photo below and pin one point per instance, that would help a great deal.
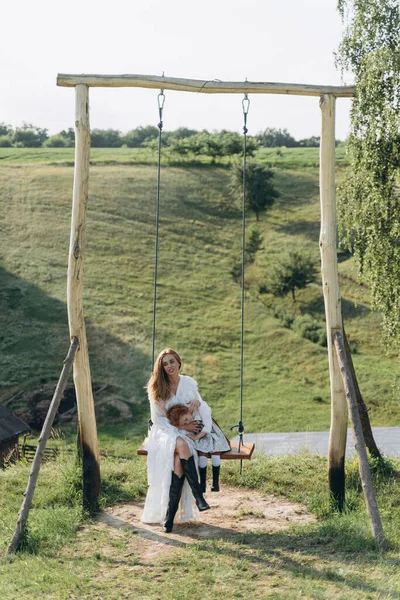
(286, 376)
(286, 381)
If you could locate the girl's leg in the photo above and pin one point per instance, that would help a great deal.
(203, 472)
(216, 460)
(216, 463)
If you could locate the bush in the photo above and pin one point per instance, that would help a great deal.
(310, 329)
(285, 317)
(140, 137)
(56, 141)
(106, 138)
(29, 136)
(5, 141)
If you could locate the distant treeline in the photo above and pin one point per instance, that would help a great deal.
(182, 141)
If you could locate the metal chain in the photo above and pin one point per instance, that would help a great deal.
(240, 426)
(160, 100)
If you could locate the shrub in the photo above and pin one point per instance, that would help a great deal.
(310, 329)
(5, 141)
(285, 317)
(29, 136)
(56, 141)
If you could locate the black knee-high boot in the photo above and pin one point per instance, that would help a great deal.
(203, 478)
(215, 485)
(189, 469)
(175, 492)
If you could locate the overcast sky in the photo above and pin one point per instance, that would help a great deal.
(289, 41)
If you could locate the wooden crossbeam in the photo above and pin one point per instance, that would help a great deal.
(245, 453)
(200, 86)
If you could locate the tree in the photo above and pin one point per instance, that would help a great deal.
(29, 136)
(253, 245)
(260, 190)
(141, 136)
(369, 203)
(275, 138)
(311, 142)
(106, 138)
(295, 272)
(5, 129)
(69, 136)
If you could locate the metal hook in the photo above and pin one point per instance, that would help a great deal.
(245, 104)
(161, 99)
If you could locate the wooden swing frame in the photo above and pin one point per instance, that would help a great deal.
(328, 245)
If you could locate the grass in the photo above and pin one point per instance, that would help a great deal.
(333, 557)
(286, 376)
(198, 303)
(291, 158)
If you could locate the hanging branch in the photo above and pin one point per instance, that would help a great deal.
(369, 203)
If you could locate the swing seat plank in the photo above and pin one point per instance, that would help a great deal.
(246, 451)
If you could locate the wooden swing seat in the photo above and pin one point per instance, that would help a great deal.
(246, 450)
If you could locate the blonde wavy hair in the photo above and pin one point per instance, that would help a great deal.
(159, 386)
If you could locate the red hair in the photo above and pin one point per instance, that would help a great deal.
(159, 385)
(176, 412)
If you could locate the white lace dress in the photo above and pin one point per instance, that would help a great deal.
(160, 446)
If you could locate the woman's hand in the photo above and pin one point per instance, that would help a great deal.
(193, 405)
(198, 436)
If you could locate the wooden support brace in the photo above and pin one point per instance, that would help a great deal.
(365, 473)
(44, 436)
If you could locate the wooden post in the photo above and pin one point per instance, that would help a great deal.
(365, 473)
(44, 436)
(330, 284)
(82, 379)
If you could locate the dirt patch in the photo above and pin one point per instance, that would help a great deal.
(233, 511)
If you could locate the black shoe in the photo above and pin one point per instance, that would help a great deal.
(189, 469)
(215, 485)
(203, 478)
(175, 492)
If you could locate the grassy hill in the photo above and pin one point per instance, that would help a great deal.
(286, 376)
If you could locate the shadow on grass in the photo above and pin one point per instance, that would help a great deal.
(350, 309)
(296, 190)
(309, 229)
(34, 340)
(284, 550)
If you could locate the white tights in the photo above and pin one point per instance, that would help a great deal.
(215, 461)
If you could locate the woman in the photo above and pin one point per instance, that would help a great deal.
(171, 467)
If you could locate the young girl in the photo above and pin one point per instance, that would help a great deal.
(209, 439)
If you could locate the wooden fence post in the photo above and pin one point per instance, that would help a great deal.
(82, 378)
(365, 473)
(330, 284)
